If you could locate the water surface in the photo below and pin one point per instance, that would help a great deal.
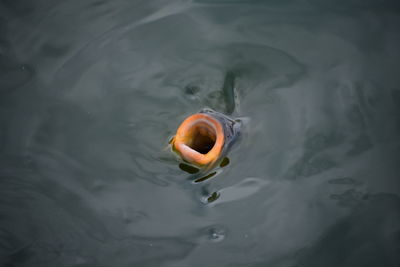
(91, 92)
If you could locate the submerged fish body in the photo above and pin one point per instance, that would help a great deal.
(203, 139)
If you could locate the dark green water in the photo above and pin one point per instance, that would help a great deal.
(91, 92)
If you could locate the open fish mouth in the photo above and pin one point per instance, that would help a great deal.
(200, 139)
(204, 138)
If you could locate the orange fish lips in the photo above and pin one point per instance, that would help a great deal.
(202, 138)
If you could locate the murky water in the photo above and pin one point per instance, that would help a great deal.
(91, 92)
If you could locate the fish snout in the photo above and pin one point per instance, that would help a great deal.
(200, 139)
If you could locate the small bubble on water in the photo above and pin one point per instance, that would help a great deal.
(217, 234)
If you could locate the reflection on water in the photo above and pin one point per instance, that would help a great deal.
(91, 91)
(188, 168)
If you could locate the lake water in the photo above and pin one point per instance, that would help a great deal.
(91, 92)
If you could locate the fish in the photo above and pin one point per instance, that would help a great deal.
(204, 138)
